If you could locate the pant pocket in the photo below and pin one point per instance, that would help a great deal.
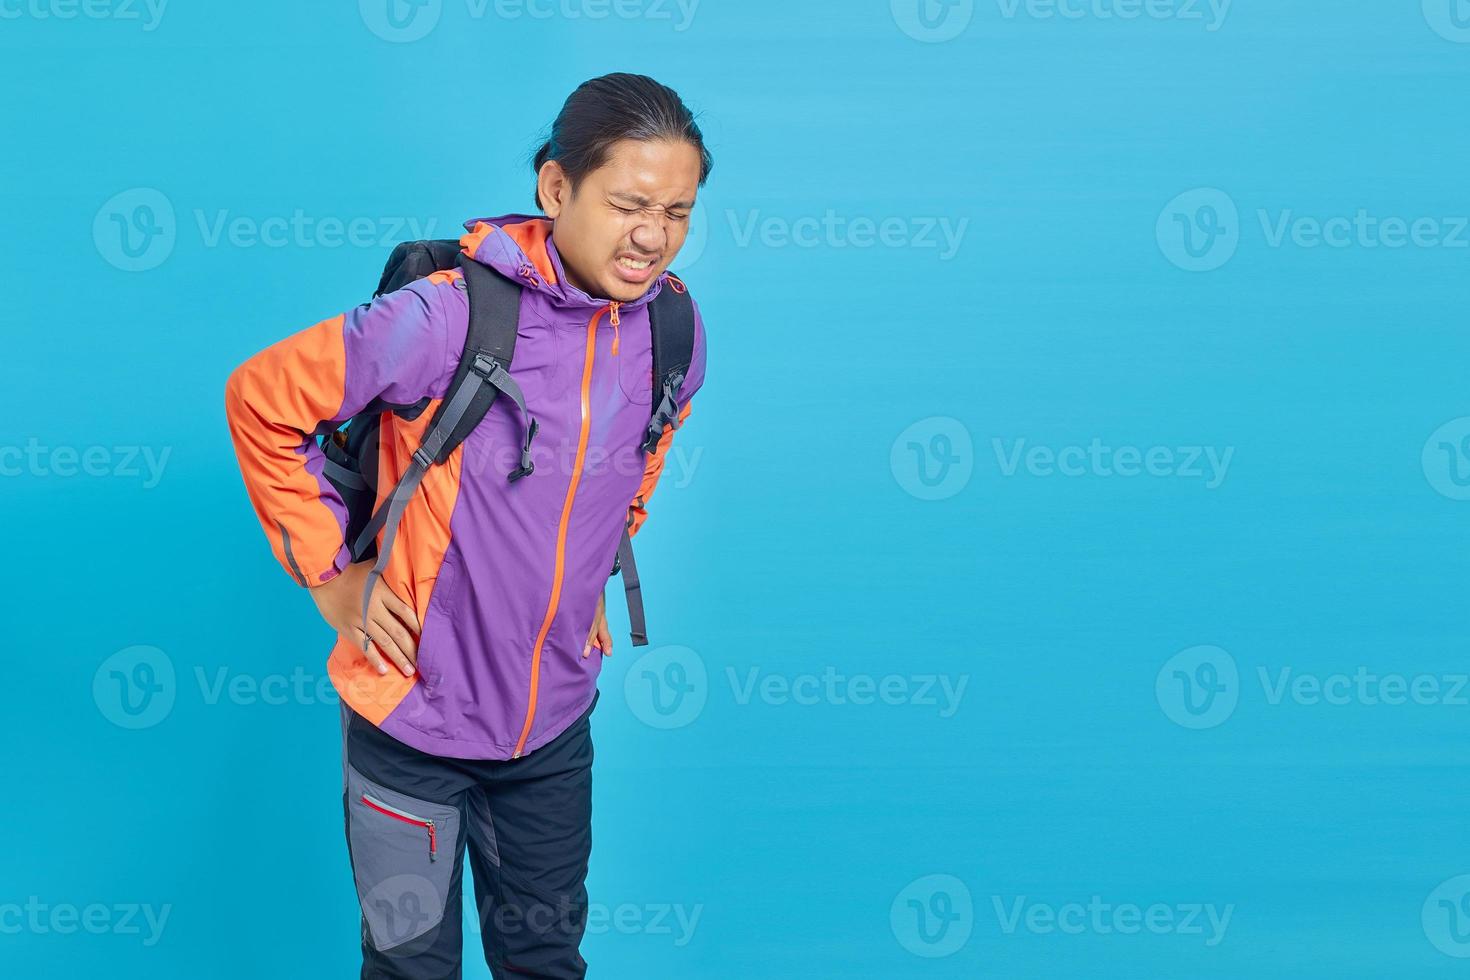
(403, 852)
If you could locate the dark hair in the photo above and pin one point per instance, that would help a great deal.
(616, 107)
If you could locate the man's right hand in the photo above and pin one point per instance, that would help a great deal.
(392, 626)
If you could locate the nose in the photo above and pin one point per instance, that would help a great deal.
(649, 235)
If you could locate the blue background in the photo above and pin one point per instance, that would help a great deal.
(802, 539)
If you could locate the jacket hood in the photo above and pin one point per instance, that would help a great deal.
(520, 247)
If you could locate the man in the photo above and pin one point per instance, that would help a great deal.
(469, 675)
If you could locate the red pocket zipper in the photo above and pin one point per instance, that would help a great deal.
(409, 818)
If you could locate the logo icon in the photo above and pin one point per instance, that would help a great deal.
(697, 238)
(135, 230)
(933, 916)
(1446, 917)
(1198, 687)
(135, 687)
(400, 21)
(933, 458)
(401, 908)
(1449, 18)
(932, 21)
(1446, 459)
(667, 687)
(1199, 230)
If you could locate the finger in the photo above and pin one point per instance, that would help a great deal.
(401, 609)
(370, 652)
(390, 624)
(591, 636)
(385, 630)
(604, 635)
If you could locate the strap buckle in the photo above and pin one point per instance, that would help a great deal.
(667, 413)
(528, 465)
(485, 366)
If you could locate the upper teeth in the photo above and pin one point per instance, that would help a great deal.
(633, 263)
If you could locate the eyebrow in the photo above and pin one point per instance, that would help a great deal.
(644, 202)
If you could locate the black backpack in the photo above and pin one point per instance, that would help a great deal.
(352, 449)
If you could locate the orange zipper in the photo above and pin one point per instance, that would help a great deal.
(614, 309)
(566, 514)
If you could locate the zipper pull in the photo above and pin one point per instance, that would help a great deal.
(615, 322)
(433, 841)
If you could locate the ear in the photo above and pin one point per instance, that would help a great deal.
(553, 187)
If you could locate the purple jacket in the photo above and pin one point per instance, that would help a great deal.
(504, 576)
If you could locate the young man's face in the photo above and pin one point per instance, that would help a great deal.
(626, 220)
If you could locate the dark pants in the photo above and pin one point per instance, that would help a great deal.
(527, 824)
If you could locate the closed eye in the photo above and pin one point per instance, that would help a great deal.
(675, 215)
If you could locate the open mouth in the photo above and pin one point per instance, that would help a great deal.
(633, 269)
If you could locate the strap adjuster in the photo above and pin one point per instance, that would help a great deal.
(485, 366)
(667, 413)
(528, 465)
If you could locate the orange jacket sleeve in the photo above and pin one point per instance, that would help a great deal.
(652, 470)
(393, 349)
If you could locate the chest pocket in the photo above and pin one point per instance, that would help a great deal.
(635, 363)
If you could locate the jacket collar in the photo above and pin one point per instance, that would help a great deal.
(520, 247)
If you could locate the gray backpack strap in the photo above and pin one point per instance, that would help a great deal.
(480, 376)
(671, 318)
(637, 627)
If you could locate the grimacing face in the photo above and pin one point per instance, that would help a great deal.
(626, 220)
